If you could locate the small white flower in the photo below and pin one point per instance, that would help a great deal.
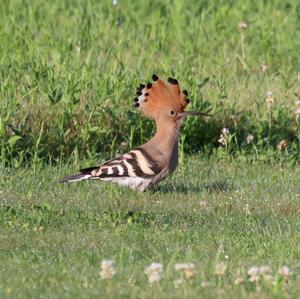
(264, 67)
(181, 266)
(254, 278)
(243, 25)
(239, 280)
(254, 273)
(297, 111)
(114, 2)
(297, 102)
(222, 140)
(220, 269)
(154, 272)
(187, 268)
(223, 137)
(38, 228)
(247, 209)
(269, 98)
(285, 271)
(203, 205)
(249, 138)
(178, 282)
(225, 131)
(204, 284)
(107, 269)
(124, 144)
(282, 145)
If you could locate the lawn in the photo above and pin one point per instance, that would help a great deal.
(54, 237)
(68, 74)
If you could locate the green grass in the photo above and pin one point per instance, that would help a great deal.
(68, 73)
(69, 69)
(54, 237)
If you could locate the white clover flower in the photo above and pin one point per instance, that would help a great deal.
(254, 273)
(243, 25)
(203, 204)
(254, 278)
(154, 272)
(220, 269)
(225, 131)
(297, 111)
(247, 209)
(269, 98)
(239, 280)
(282, 145)
(249, 138)
(187, 268)
(114, 2)
(204, 284)
(285, 272)
(264, 67)
(38, 228)
(222, 140)
(178, 282)
(223, 137)
(107, 269)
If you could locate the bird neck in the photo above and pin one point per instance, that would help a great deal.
(166, 137)
(163, 146)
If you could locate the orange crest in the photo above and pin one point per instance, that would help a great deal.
(157, 98)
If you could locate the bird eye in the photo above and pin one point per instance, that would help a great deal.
(172, 113)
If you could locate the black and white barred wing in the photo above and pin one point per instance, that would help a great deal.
(131, 169)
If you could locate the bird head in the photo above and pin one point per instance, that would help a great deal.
(164, 102)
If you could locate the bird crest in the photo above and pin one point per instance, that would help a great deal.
(153, 99)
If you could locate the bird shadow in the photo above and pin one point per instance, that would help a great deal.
(218, 186)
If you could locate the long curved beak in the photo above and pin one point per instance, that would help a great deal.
(193, 113)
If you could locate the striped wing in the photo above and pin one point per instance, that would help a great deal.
(135, 164)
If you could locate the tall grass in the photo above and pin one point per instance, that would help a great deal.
(68, 71)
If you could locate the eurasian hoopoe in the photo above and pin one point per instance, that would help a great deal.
(156, 159)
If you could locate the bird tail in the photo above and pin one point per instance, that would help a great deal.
(75, 178)
(84, 174)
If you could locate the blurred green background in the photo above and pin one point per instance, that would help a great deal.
(69, 69)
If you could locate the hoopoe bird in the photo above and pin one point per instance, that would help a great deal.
(153, 161)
